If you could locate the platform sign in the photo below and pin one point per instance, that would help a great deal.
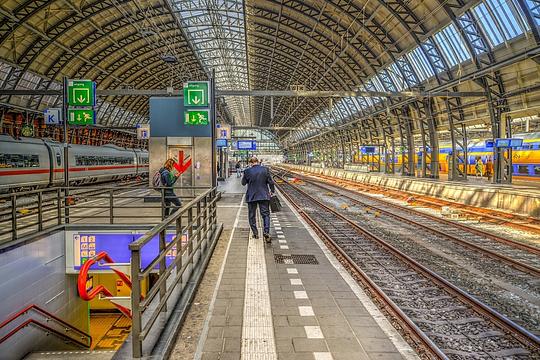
(223, 131)
(52, 116)
(81, 117)
(197, 117)
(246, 145)
(490, 143)
(143, 131)
(196, 94)
(81, 93)
(221, 143)
(508, 143)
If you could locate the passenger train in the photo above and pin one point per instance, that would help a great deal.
(30, 163)
(525, 159)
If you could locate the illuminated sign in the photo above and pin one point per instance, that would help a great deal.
(508, 143)
(246, 145)
(87, 245)
(221, 143)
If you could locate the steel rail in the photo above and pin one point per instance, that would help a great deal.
(529, 248)
(391, 307)
(519, 333)
(514, 263)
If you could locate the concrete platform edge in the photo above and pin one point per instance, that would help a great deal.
(402, 346)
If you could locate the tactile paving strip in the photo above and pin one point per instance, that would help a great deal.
(257, 331)
(300, 259)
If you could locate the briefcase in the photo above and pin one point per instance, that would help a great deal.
(275, 204)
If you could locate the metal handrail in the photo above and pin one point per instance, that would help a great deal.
(48, 315)
(200, 229)
(50, 207)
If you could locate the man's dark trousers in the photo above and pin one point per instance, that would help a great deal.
(264, 209)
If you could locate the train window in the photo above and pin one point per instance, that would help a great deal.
(18, 160)
(523, 169)
(536, 169)
(89, 160)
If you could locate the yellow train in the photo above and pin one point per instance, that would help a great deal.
(525, 159)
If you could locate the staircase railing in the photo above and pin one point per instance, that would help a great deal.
(85, 340)
(100, 289)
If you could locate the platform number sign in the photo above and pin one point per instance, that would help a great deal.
(196, 94)
(81, 93)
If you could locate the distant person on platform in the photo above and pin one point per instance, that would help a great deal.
(167, 180)
(479, 167)
(489, 169)
(260, 189)
(238, 168)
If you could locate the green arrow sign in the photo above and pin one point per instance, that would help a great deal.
(81, 93)
(196, 117)
(196, 93)
(81, 117)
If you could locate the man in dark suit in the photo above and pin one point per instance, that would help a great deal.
(260, 188)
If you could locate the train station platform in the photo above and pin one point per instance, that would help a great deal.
(290, 299)
(522, 198)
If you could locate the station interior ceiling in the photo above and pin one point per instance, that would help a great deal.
(401, 48)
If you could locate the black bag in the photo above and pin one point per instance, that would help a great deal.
(275, 204)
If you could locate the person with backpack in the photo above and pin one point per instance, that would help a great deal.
(166, 178)
(259, 191)
(238, 168)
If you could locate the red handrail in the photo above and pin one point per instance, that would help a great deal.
(48, 314)
(100, 289)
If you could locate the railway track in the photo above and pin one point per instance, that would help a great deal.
(441, 319)
(520, 256)
(487, 215)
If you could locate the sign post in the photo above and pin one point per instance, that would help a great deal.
(52, 116)
(196, 94)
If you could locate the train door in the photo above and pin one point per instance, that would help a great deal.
(57, 164)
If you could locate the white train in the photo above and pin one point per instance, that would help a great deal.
(29, 163)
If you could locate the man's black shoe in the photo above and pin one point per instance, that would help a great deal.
(267, 238)
(255, 236)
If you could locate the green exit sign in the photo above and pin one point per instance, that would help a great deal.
(196, 117)
(196, 93)
(81, 117)
(81, 93)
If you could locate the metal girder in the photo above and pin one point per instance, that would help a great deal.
(457, 159)
(403, 116)
(531, 9)
(430, 148)
(482, 56)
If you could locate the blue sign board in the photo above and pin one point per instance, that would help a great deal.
(490, 143)
(508, 143)
(221, 143)
(369, 149)
(87, 245)
(246, 145)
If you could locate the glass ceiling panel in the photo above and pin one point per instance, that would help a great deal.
(215, 29)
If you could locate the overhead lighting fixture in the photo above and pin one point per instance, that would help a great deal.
(168, 58)
(147, 32)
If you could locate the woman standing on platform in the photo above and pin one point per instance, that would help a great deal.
(479, 167)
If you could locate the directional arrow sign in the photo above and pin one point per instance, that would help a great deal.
(180, 166)
(196, 117)
(81, 117)
(196, 93)
(81, 93)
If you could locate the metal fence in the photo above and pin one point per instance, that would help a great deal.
(26, 214)
(196, 232)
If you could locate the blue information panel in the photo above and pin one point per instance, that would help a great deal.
(116, 245)
(246, 145)
(490, 143)
(221, 143)
(369, 149)
(508, 143)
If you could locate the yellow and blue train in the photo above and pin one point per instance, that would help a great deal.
(525, 159)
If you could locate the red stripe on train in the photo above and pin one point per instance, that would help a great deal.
(46, 171)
